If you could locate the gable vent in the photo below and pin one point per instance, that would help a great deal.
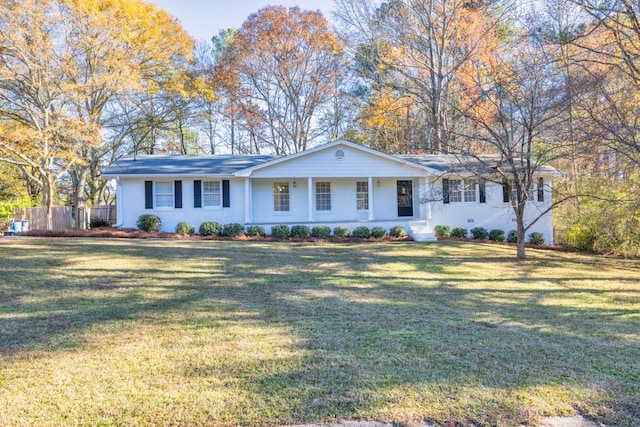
(339, 154)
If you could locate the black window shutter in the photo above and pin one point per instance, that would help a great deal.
(445, 190)
(226, 200)
(540, 189)
(178, 195)
(197, 193)
(505, 193)
(482, 185)
(148, 194)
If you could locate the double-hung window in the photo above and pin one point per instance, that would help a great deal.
(164, 194)
(281, 196)
(455, 193)
(469, 190)
(323, 196)
(362, 195)
(211, 193)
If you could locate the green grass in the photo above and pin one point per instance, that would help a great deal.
(190, 332)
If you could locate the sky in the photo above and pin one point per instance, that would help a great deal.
(203, 18)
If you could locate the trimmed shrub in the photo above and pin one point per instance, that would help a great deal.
(321, 232)
(185, 228)
(496, 235)
(536, 238)
(442, 230)
(98, 222)
(378, 232)
(149, 222)
(233, 229)
(397, 231)
(512, 236)
(459, 232)
(210, 228)
(280, 231)
(479, 233)
(341, 231)
(255, 231)
(300, 231)
(361, 232)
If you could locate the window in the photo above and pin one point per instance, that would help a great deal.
(455, 194)
(469, 190)
(281, 196)
(362, 195)
(323, 196)
(211, 193)
(164, 194)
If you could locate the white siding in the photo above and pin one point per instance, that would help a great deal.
(343, 201)
(494, 214)
(324, 163)
(133, 201)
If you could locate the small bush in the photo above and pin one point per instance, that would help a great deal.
(459, 232)
(321, 232)
(255, 231)
(536, 238)
(210, 228)
(280, 231)
(300, 231)
(185, 228)
(442, 230)
(361, 232)
(149, 223)
(233, 230)
(378, 232)
(98, 222)
(496, 235)
(397, 231)
(512, 236)
(479, 233)
(341, 232)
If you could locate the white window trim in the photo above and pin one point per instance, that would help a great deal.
(281, 212)
(315, 192)
(155, 196)
(365, 194)
(211, 207)
(476, 196)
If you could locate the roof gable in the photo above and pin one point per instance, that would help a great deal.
(338, 158)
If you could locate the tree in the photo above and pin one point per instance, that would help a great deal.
(417, 48)
(508, 107)
(63, 63)
(284, 63)
(37, 131)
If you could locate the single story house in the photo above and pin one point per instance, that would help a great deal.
(335, 184)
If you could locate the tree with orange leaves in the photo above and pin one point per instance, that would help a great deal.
(418, 48)
(284, 64)
(63, 63)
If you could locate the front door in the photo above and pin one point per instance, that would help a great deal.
(405, 198)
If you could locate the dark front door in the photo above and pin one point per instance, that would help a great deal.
(405, 198)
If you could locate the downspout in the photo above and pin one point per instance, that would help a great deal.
(119, 203)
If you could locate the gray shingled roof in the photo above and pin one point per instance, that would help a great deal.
(226, 165)
(183, 165)
(454, 163)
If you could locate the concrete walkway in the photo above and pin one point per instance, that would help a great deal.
(577, 421)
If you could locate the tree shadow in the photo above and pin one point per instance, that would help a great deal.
(361, 337)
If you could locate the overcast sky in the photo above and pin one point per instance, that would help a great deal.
(204, 18)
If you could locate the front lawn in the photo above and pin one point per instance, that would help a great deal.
(191, 332)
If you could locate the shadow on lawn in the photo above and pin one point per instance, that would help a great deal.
(364, 338)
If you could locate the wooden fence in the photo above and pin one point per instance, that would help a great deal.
(62, 217)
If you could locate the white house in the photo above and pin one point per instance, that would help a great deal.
(336, 184)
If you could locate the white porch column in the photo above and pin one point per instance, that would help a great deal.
(370, 187)
(247, 201)
(310, 198)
